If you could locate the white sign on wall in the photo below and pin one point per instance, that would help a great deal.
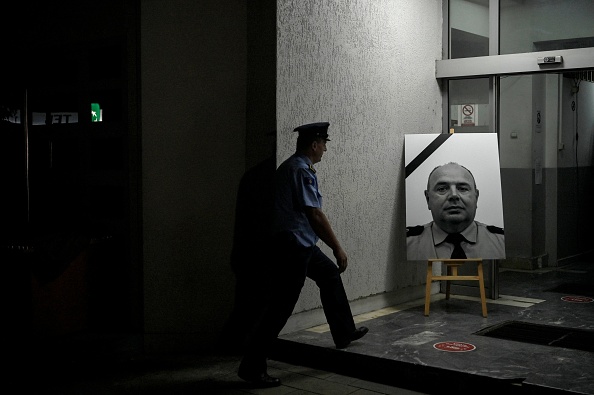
(467, 115)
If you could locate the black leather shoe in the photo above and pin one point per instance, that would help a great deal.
(356, 335)
(262, 380)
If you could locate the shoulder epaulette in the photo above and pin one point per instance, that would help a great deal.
(414, 230)
(495, 229)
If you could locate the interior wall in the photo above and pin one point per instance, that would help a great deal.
(546, 169)
(515, 150)
(576, 167)
(551, 148)
(368, 68)
(539, 129)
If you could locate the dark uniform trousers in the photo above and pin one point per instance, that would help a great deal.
(290, 266)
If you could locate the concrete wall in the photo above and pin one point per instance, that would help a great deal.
(368, 68)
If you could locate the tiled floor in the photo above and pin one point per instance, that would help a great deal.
(400, 348)
(397, 356)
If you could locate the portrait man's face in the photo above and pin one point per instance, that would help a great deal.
(452, 197)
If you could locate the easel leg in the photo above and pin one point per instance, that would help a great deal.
(482, 289)
(428, 287)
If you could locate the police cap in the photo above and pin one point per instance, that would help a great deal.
(316, 129)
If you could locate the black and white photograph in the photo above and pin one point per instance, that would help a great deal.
(453, 196)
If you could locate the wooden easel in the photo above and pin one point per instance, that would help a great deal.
(452, 274)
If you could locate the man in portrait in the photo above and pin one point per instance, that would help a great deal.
(452, 197)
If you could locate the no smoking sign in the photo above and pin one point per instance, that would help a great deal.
(577, 299)
(467, 115)
(467, 110)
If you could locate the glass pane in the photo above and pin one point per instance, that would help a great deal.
(543, 25)
(469, 28)
(469, 105)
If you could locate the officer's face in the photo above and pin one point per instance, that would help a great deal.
(319, 147)
(452, 197)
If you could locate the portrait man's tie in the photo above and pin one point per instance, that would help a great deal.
(456, 239)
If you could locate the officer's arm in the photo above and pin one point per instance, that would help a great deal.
(320, 224)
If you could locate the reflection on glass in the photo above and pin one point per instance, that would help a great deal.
(515, 123)
(469, 105)
(469, 28)
(543, 25)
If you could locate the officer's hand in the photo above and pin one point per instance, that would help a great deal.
(341, 259)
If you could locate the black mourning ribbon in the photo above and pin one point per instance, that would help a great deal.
(456, 239)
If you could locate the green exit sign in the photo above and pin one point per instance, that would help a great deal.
(96, 113)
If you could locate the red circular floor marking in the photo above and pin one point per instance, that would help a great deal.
(454, 346)
(577, 299)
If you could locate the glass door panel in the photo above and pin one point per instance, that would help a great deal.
(469, 105)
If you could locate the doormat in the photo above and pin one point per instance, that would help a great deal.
(546, 335)
(573, 289)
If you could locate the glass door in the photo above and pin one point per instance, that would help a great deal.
(546, 134)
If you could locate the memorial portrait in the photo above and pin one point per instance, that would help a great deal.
(453, 196)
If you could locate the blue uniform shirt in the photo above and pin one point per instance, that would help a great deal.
(296, 188)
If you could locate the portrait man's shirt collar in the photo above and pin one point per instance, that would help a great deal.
(439, 236)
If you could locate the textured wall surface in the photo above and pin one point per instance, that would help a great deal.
(193, 115)
(368, 68)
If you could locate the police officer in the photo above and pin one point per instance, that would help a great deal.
(298, 225)
(452, 197)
